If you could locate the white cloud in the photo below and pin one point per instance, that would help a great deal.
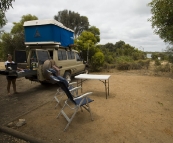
(117, 20)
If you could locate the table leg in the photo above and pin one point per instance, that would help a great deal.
(105, 88)
(108, 87)
(81, 85)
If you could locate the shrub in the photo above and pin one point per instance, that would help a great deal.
(163, 68)
(97, 61)
(123, 59)
(144, 63)
(123, 66)
(157, 62)
(109, 59)
(135, 65)
(166, 68)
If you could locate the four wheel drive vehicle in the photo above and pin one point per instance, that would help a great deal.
(45, 40)
(68, 59)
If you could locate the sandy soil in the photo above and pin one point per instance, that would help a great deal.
(138, 110)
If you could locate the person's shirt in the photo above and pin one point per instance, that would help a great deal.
(8, 62)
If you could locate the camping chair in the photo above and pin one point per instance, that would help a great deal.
(78, 102)
(60, 93)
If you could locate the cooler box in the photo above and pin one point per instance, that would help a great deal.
(47, 32)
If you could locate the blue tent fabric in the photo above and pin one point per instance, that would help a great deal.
(48, 33)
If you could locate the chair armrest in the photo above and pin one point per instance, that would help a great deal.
(75, 88)
(71, 83)
(83, 95)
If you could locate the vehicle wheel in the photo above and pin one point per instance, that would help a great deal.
(86, 70)
(44, 83)
(67, 76)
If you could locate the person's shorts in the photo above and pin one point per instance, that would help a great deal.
(11, 77)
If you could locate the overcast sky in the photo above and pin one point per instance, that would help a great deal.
(125, 20)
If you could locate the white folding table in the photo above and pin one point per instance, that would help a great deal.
(102, 78)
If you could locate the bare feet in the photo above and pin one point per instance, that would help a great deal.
(8, 94)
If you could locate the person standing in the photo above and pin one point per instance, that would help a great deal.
(11, 79)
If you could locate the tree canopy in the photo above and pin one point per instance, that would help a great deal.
(4, 6)
(73, 21)
(86, 41)
(95, 31)
(18, 26)
(162, 19)
(15, 39)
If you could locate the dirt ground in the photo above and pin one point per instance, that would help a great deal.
(139, 109)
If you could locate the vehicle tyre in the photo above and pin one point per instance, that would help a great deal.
(44, 83)
(46, 66)
(86, 71)
(67, 76)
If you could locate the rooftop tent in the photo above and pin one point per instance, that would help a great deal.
(64, 40)
(47, 32)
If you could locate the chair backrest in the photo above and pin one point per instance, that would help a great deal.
(66, 90)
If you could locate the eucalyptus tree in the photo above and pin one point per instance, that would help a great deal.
(15, 39)
(4, 6)
(162, 19)
(73, 20)
(95, 31)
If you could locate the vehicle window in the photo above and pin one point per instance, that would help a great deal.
(42, 56)
(71, 55)
(33, 56)
(51, 54)
(59, 55)
(62, 55)
(78, 57)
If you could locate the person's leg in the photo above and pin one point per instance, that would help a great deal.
(14, 85)
(63, 80)
(8, 86)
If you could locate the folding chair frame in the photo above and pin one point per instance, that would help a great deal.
(79, 102)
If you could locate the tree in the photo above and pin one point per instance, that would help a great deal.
(73, 21)
(169, 49)
(7, 45)
(162, 19)
(4, 6)
(97, 61)
(119, 44)
(18, 26)
(95, 31)
(109, 46)
(15, 39)
(86, 43)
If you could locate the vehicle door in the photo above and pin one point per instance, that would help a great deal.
(42, 56)
(20, 57)
(79, 63)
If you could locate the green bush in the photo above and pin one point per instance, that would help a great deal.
(123, 59)
(97, 61)
(127, 63)
(135, 65)
(108, 66)
(144, 63)
(123, 66)
(157, 62)
(109, 59)
(166, 68)
(163, 68)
